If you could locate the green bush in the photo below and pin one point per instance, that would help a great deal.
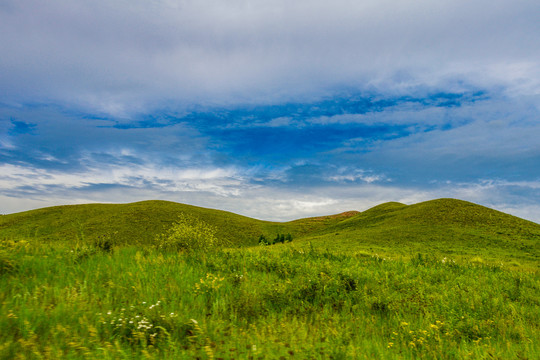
(104, 243)
(81, 253)
(189, 234)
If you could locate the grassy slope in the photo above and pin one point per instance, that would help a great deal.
(450, 227)
(289, 300)
(140, 222)
(446, 227)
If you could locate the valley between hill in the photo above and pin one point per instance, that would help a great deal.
(443, 279)
(447, 227)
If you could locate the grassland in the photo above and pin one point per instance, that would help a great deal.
(139, 223)
(438, 280)
(444, 227)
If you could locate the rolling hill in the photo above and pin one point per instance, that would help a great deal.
(445, 226)
(442, 279)
(140, 222)
(449, 227)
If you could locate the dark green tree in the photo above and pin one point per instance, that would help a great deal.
(263, 241)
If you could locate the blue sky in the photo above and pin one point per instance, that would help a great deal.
(270, 109)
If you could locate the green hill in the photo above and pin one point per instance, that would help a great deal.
(447, 227)
(140, 222)
(396, 281)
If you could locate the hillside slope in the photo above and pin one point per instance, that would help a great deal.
(140, 222)
(448, 226)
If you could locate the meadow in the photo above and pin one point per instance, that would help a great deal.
(324, 295)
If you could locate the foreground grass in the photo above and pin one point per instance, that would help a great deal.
(279, 302)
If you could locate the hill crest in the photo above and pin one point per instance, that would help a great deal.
(441, 225)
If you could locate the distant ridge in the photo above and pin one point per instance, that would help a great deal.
(448, 226)
(444, 225)
(440, 211)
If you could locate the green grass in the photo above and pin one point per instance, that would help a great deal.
(270, 302)
(140, 222)
(437, 280)
(445, 227)
(136, 223)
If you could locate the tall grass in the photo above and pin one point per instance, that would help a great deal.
(284, 301)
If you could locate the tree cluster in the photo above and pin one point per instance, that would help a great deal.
(280, 238)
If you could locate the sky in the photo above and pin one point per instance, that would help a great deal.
(272, 109)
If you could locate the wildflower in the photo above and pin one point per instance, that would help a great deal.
(11, 315)
(403, 323)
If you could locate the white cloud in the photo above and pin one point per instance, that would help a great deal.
(46, 184)
(226, 189)
(354, 175)
(121, 57)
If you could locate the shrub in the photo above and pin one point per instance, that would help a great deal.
(280, 238)
(263, 241)
(104, 243)
(81, 253)
(189, 234)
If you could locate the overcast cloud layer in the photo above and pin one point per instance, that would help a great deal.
(272, 109)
